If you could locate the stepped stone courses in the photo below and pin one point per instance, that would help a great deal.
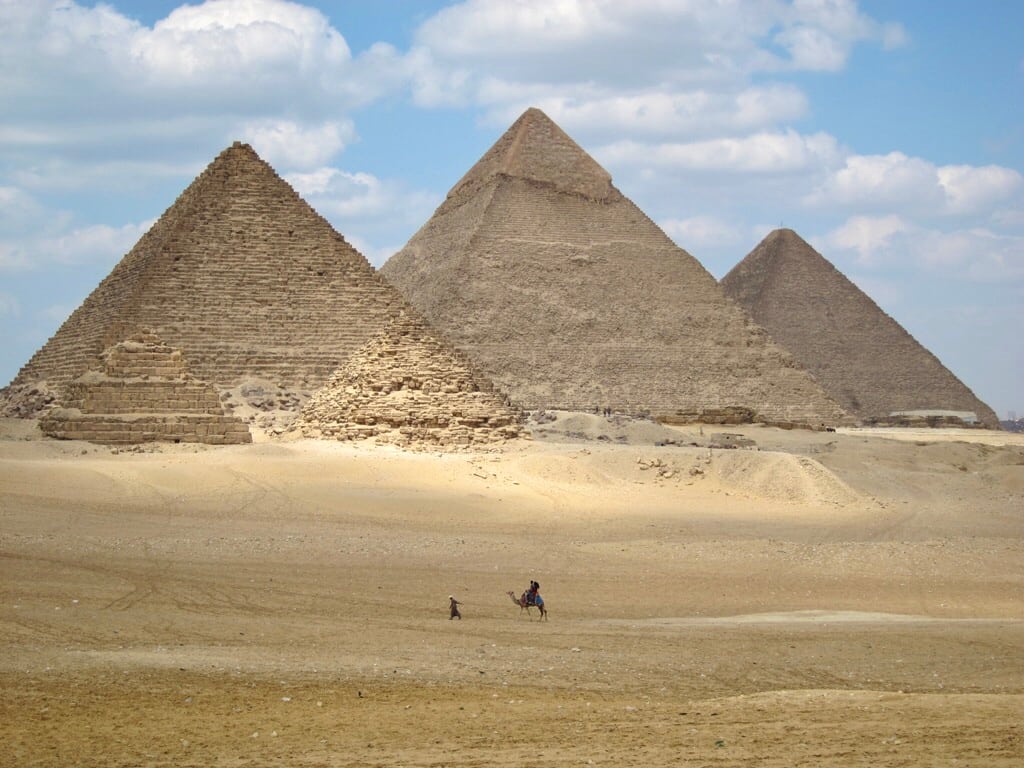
(563, 292)
(408, 387)
(240, 274)
(143, 394)
(861, 356)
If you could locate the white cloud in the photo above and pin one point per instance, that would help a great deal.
(821, 33)
(93, 243)
(784, 152)
(341, 193)
(880, 181)
(286, 144)
(58, 173)
(813, 49)
(978, 253)
(1010, 218)
(233, 40)
(703, 231)
(970, 189)
(702, 111)
(82, 70)
(19, 211)
(912, 183)
(311, 183)
(974, 254)
(479, 50)
(363, 207)
(867, 235)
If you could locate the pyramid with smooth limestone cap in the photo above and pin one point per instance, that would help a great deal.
(861, 356)
(565, 294)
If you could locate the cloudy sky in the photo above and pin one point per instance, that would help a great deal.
(888, 134)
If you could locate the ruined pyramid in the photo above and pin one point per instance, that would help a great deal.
(240, 274)
(565, 294)
(406, 386)
(143, 393)
(861, 356)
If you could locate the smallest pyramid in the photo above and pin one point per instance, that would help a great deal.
(144, 393)
(861, 356)
(408, 387)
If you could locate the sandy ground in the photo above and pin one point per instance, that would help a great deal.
(814, 599)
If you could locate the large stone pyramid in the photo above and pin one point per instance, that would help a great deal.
(409, 387)
(568, 296)
(862, 357)
(240, 274)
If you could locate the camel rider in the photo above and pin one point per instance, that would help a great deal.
(532, 593)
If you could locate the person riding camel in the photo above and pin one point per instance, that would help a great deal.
(532, 593)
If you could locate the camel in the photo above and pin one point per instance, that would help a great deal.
(524, 605)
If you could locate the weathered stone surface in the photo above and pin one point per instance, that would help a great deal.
(143, 394)
(241, 275)
(408, 387)
(861, 356)
(565, 294)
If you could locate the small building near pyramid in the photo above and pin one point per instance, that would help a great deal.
(143, 393)
(861, 356)
(408, 387)
(243, 276)
(568, 296)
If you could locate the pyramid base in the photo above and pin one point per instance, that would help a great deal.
(112, 429)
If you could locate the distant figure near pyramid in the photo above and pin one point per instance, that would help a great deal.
(568, 296)
(406, 386)
(240, 274)
(861, 356)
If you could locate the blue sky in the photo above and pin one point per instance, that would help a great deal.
(889, 134)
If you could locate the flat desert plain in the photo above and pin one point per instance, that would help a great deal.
(813, 599)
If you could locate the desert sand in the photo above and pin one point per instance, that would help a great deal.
(810, 598)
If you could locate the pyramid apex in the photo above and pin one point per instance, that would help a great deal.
(766, 261)
(536, 149)
(783, 234)
(239, 148)
(783, 241)
(536, 113)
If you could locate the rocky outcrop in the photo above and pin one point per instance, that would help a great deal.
(567, 296)
(144, 393)
(408, 387)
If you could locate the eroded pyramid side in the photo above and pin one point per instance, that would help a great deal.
(863, 357)
(409, 387)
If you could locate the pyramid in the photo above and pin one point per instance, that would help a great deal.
(240, 274)
(409, 387)
(567, 296)
(861, 356)
(143, 393)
